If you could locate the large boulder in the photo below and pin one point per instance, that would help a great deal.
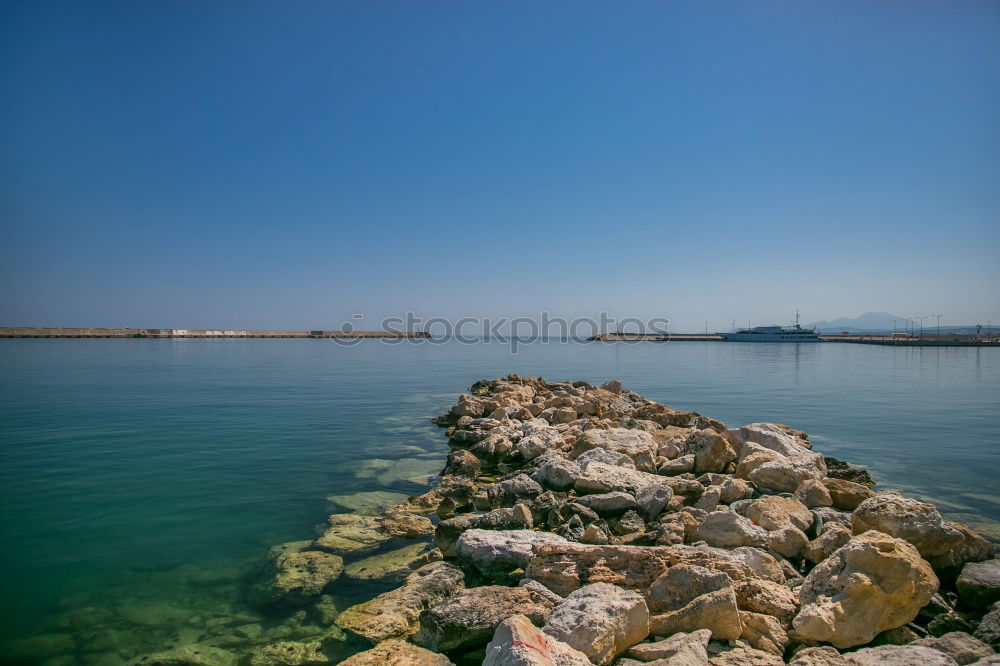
(447, 532)
(517, 642)
(394, 614)
(638, 445)
(557, 473)
(973, 548)
(470, 618)
(600, 620)
(763, 596)
(500, 552)
(898, 516)
(873, 583)
(988, 630)
(600, 477)
(608, 504)
(293, 575)
(847, 495)
(725, 529)
(682, 583)
(715, 611)
(979, 584)
(397, 653)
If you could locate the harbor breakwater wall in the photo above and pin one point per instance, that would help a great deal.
(29, 332)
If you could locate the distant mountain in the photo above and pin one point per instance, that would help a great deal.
(869, 321)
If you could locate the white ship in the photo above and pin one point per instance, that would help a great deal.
(793, 333)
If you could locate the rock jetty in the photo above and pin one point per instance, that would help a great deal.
(577, 524)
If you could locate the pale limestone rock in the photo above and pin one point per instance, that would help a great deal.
(734, 489)
(847, 495)
(813, 493)
(958, 645)
(818, 656)
(690, 646)
(564, 567)
(496, 552)
(680, 465)
(746, 656)
(448, 532)
(725, 529)
(763, 632)
(600, 620)
(873, 583)
(833, 537)
(394, 614)
(682, 583)
(899, 655)
(608, 504)
(788, 541)
(898, 516)
(557, 474)
(397, 653)
(469, 618)
(600, 477)
(517, 642)
(604, 456)
(712, 452)
(763, 596)
(774, 512)
(715, 611)
(638, 445)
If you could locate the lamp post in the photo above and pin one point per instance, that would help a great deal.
(921, 324)
(938, 326)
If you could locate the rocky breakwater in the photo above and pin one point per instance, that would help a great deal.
(578, 524)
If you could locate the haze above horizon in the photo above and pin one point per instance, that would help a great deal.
(255, 165)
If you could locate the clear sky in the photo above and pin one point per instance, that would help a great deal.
(288, 164)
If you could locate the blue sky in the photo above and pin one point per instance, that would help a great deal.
(272, 164)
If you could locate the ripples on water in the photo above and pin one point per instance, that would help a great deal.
(140, 479)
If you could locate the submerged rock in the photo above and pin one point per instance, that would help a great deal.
(397, 653)
(395, 564)
(286, 653)
(600, 620)
(186, 655)
(873, 583)
(295, 576)
(351, 534)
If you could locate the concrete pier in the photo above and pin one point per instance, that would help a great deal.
(38, 332)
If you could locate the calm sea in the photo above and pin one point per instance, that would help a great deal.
(140, 478)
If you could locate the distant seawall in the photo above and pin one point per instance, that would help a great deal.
(28, 332)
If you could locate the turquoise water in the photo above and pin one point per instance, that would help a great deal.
(140, 478)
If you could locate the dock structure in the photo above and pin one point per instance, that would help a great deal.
(653, 337)
(42, 332)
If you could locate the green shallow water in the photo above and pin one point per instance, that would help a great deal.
(140, 479)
